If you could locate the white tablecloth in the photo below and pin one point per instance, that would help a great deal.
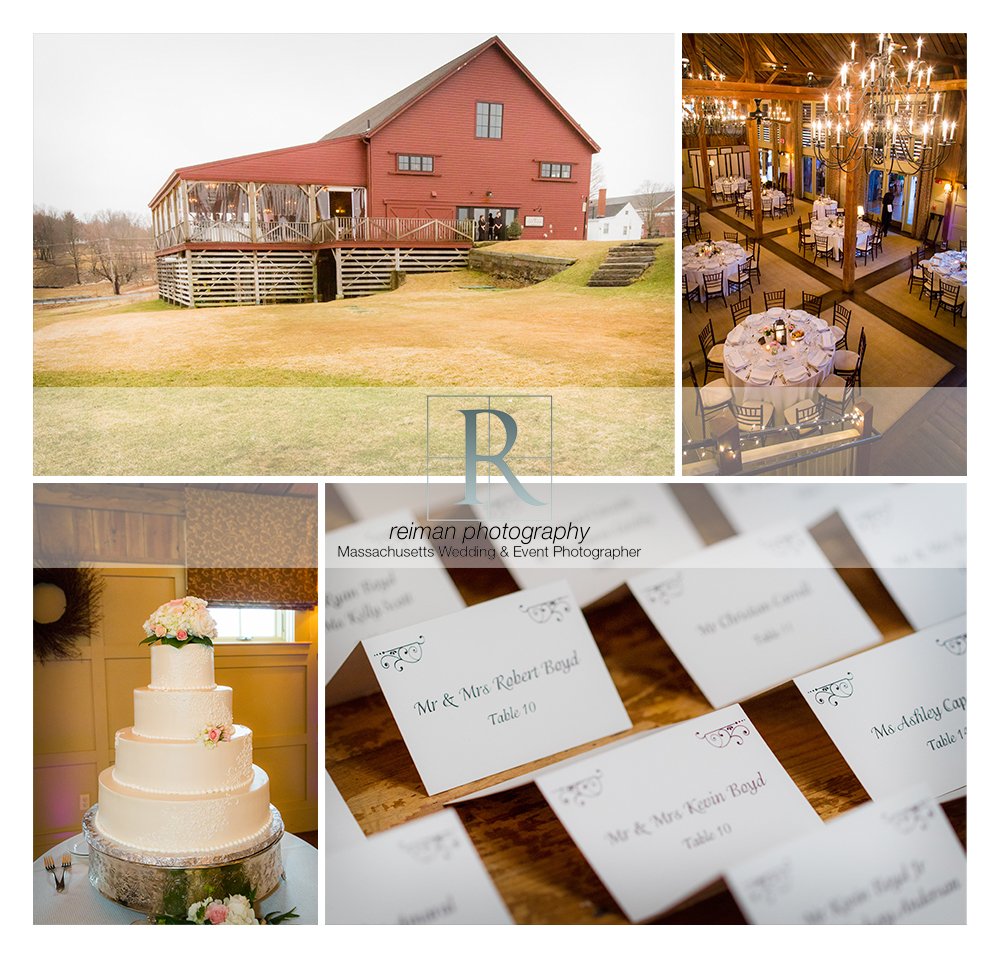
(728, 260)
(949, 266)
(82, 904)
(753, 373)
(735, 184)
(776, 196)
(825, 206)
(825, 227)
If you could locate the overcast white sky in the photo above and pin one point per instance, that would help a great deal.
(114, 114)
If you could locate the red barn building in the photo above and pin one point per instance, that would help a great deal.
(402, 186)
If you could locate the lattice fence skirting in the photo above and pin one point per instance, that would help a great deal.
(235, 277)
(366, 270)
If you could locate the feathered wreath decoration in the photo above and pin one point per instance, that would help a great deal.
(66, 608)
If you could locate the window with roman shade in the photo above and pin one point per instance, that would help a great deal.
(250, 550)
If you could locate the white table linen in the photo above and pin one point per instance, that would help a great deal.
(776, 196)
(825, 206)
(828, 227)
(734, 184)
(82, 904)
(950, 266)
(729, 259)
(792, 375)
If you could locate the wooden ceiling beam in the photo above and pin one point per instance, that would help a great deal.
(727, 88)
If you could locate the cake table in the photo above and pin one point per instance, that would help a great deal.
(82, 904)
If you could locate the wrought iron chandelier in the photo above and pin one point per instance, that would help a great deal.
(884, 110)
(721, 117)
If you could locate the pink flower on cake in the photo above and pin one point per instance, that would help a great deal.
(216, 913)
(160, 631)
(213, 734)
(182, 634)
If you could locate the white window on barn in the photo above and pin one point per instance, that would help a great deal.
(489, 121)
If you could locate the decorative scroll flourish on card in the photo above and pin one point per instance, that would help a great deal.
(542, 612)
(789, 543)
(769, 886)
(912, 818)
(401, 655)
(721, 737)
(833, 692)
(440, 845)
(663, 592)
(956, 645)
(580, 792)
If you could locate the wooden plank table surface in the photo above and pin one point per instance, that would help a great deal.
(539, 872)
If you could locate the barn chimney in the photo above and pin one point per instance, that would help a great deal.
(602, 202)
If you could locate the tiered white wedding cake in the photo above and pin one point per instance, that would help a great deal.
(183, 782)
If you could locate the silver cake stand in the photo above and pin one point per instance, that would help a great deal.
(168, 884)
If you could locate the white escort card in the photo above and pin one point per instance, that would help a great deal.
(661, 816)
(755, 505)
(751, 612)
(891, 862)
(362, 601)
(341, 828)
(643, 521)
(426, 872)
(915, 539)
(499, 684)
(897, 713)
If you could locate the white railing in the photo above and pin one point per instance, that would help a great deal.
(377, 229)
(339, 229)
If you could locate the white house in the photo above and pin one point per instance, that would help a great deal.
(613, 221)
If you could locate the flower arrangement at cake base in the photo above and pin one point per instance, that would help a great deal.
(183, 815)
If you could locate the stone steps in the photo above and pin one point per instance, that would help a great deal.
(624, 265)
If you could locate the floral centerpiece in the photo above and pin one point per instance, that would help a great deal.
(232, 910)
(708, 248)
(179, 622)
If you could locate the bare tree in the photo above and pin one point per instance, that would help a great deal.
(45, 224)
(648, 198)
(115, 251)
(596, 179)
(72, 233)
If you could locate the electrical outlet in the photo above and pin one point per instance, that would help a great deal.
(84, 801)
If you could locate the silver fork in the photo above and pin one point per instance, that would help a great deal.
(67, 862)
(50, 866)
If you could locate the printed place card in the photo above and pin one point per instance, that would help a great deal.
(751, 612)
(426, 872)
(897, 713)
(661, 816)
(342, 829)
(499, 684)
(891, 862)
(915, 539)
(627, 526)
(750, 506)
(362, 601)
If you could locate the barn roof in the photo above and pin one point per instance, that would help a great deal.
(368, 122)
(310, 163)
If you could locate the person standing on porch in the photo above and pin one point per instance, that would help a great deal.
(482, 231)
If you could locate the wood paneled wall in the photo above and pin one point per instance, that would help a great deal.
(79, 703)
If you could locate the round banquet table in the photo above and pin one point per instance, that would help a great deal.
(82, 904)
(949, 266)
(794, 374)
(776, 196)
(825, 206)
(735, 184)
(729, 259)
(828, 227)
